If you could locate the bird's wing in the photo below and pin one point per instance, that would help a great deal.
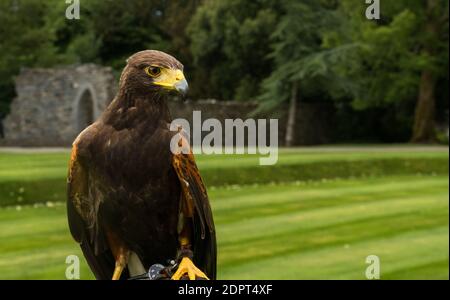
(195, 198)
(82, 207)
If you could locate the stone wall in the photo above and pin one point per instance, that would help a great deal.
(53, 105)
(314, 121)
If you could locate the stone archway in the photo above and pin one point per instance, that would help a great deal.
(85, 110)
(53, 106)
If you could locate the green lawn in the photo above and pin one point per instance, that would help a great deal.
(300, 230)
(41, 177)
(26, 167)
(317, 214)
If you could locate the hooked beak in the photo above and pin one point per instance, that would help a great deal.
(173, 80)
(182, 87)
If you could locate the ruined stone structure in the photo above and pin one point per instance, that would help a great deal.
(53, 105)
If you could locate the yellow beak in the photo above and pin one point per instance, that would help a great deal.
(172, 80)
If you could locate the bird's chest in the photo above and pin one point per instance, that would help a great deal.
(136, 160)
(141, 188)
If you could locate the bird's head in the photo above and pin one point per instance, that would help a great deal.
(148, 72)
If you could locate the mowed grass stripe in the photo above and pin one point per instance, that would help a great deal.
(44, 263)
(436, 270)
(293, 156)
(30, 221)
(287, 198)
(367, 184)
(260, 227)
(293, 241)
(399, 253)
(22, 166)
(33, 166)
(40, 249)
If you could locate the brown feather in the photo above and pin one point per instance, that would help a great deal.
(196, 199)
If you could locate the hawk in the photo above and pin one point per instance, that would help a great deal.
(132, 200)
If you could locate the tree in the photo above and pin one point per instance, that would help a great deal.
(24, 42)
(399, 60)
(36, 34)
(124, 27)
(229, 44)
(300, 58)
(435, 31)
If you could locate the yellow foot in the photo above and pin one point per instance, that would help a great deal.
(121, 263)
(117, 273)
(187, 267)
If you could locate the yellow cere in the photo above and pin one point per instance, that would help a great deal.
(168, 78)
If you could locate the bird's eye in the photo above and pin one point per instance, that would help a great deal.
(153, 71)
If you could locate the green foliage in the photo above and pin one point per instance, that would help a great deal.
(390, 51)
(299, 53)
(229, 43)
(26, 41)
(386, 51)
(442, 137)
(37, 34)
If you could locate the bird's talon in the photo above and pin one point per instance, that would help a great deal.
(187, 267)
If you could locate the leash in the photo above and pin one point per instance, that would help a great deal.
(157, 272)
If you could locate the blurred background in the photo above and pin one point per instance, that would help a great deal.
(363, 120)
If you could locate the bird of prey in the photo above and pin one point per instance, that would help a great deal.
(132, 201)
